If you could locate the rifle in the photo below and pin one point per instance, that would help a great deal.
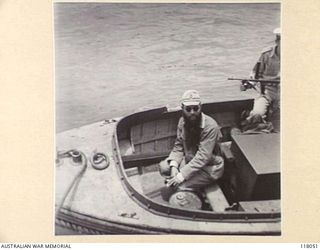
(262, 81)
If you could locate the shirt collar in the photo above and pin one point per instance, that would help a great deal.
(203, 121)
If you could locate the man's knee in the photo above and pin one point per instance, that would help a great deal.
(218, 167)
(196, 182)
(164, 168)
(204, 178)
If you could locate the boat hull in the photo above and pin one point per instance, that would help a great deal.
(100, 202)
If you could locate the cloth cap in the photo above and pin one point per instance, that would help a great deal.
(277, 31)
(190, 97)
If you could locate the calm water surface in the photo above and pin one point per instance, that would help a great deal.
(113, 59)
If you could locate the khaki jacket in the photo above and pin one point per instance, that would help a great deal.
(269, 69)
(200, 156)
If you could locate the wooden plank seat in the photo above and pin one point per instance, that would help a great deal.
(148, 158)
(216, 198)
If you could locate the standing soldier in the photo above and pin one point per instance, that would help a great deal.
(268, 68)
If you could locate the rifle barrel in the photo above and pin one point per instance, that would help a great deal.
(254, 80)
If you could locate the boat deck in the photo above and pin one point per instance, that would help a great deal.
(101, 201)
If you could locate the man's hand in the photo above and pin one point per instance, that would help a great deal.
(176, 180)
(243, 87)
(245, 84)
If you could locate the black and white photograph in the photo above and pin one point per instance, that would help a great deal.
(167, 118)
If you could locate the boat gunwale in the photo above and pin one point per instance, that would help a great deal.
(169, 211)
(92, 225)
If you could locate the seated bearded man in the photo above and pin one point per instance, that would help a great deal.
(193, 162)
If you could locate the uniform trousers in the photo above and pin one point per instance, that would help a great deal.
(200, 178)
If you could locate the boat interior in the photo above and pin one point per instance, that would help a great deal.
(144, 139)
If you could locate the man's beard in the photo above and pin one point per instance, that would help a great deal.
(192, 128)
(192, 124)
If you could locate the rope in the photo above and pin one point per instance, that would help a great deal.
(73, 153)
(98, 158)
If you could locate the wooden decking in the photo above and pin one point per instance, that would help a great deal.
(260, 206)
(216, 198)
(149, 182)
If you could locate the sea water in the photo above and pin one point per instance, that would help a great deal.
(113, 59)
